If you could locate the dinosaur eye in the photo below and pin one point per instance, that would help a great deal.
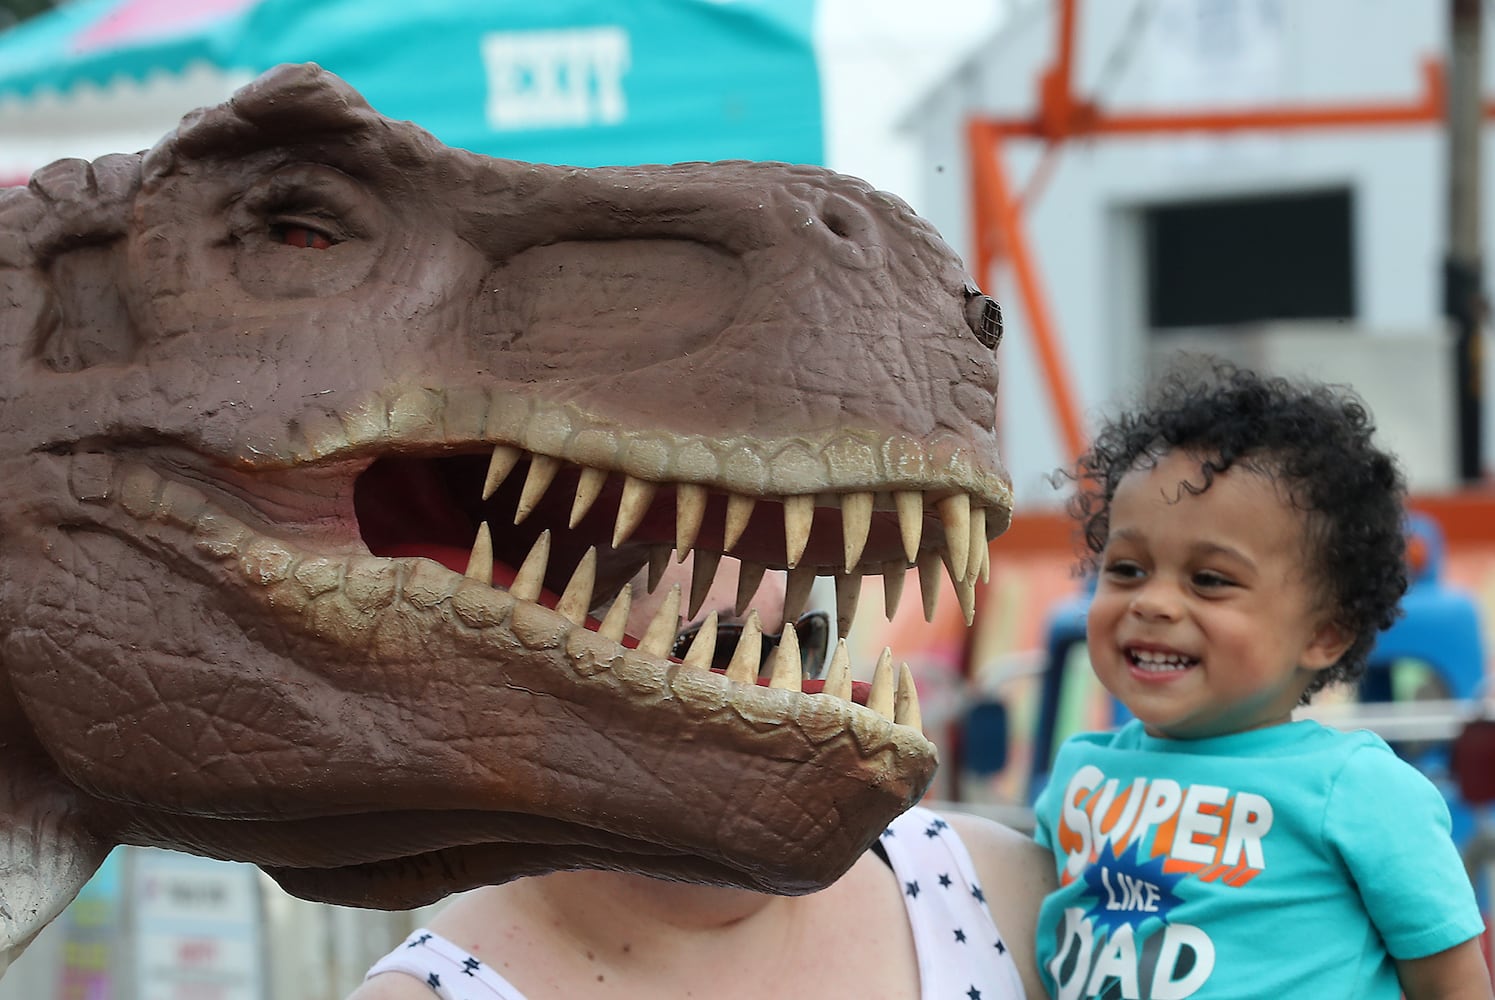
(293, 235)
(984, 316)
(278, 221)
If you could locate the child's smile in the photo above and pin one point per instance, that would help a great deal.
(1153, 661)
(1205, 621)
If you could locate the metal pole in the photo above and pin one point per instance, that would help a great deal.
(1463, 294)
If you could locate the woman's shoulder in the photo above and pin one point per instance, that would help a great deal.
(1003, 856)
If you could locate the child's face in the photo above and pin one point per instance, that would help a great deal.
(1204, 620)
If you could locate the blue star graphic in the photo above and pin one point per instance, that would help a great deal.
(419, 941)
(887, 833)
(945, 880)
(433, 981)
(933, 831)
(469, 964)
(980, 896)
(960, 936)
(973, 993)
(911, 889)
(1128, 891)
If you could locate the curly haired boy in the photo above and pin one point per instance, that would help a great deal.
(1247, 536)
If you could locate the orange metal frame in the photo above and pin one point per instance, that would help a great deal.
(999, 232)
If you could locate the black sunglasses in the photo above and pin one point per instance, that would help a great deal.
(812, 629)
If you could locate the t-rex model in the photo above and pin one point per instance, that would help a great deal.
(286, 399)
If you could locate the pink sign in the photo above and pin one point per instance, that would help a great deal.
(144, 20)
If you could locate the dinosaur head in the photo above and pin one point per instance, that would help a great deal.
(328, 451)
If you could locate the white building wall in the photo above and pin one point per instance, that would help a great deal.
(1084, 230)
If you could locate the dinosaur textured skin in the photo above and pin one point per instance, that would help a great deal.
(252, 381)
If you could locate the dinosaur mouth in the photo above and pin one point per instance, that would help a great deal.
(571, 537)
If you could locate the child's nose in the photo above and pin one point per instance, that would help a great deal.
(1155, 602)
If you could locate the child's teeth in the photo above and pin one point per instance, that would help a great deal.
(1161, 661)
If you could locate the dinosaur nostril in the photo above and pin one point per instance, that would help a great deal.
(985, 319)
(837, 225)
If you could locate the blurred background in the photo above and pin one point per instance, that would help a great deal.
(1294, 184)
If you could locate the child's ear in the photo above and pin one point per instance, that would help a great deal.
(1327, 645)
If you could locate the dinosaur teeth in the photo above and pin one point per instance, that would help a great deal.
(659, 561)
(542, 470)
(588, 488)
(955, 514)
(838, 674)
(530, 579)
(965, 591)
(480, 563)
(615, 623)
(659, 637)
(743, 667)
(577, 597)
(856, 522)
(749, 579)
(910, 521)
(848, 591)
(690, 510)
(505, 457)
(739, 512)
(960, 543)
(637, 495)
(784, 665)
(703, 647)
(880, 698)
(929, 582)
(703, 575)
(906, 704)
(893, 575)
(799, 514)
(976, 557)
(963, 520)
(797, 593)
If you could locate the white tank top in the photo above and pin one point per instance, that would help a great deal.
(962, 955)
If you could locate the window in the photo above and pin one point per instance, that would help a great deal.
(1249, 259)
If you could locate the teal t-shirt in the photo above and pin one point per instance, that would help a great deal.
(1290, 861)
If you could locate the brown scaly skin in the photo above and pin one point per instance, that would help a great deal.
(200, 651)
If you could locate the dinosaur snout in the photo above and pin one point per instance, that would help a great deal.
(983, 316)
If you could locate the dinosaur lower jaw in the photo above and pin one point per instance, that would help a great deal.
(800, 781)
(430, 856)
(471, 632)
(420, 880)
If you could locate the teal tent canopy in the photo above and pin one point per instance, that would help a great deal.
(583, 82)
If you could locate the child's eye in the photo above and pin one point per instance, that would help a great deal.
(1123, 569)
(1209, 580)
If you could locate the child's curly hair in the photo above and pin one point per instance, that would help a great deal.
(1314, 440)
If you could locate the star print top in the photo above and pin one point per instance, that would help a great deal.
(961, 953)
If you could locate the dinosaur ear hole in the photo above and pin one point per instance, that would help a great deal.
(836, 224)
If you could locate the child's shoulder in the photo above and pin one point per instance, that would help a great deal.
(1293, 739)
